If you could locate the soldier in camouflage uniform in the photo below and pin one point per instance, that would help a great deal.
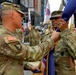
(65, 53)
(12, 51)
(51, 66)
(34, 36)
(64, 62)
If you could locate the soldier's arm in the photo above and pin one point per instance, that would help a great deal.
(12, 47)
(69, 38)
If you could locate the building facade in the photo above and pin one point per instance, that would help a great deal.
(35, 10)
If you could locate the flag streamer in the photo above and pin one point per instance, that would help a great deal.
(47, 14)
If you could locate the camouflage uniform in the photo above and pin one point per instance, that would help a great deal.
(13, 52)
(20, 34)
(55, 15)
(34, 37)
(65, 53)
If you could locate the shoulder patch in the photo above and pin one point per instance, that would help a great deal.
(11, 38)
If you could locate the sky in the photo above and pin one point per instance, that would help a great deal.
(54, 4)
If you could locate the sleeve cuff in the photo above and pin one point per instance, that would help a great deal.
(51, 42)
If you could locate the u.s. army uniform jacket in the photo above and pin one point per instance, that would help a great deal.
(65, 53)
(13, 52)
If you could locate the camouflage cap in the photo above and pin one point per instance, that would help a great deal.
(11, 6)
(56, 14)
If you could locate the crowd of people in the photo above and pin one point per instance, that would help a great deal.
(13, 51)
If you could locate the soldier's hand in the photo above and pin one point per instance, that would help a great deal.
(61, 24)
(55, 36)
(33, 68)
